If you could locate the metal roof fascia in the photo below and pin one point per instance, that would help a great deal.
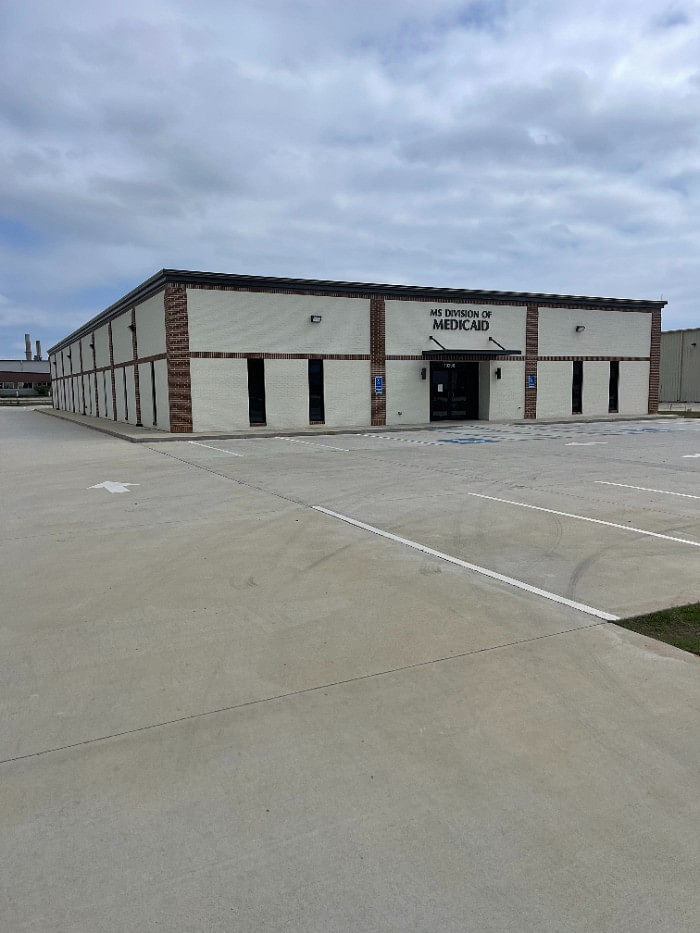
(368, 289)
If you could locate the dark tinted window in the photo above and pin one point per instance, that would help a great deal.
(613, 389)
(577, 388)
(256, 391)
(316, 403)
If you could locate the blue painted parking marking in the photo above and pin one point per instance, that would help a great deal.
(470, 440)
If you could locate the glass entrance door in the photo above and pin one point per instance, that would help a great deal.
(454, 391)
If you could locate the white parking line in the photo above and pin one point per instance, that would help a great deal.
(666, 492)
(518, 584)
(295, 440)
(220, 449)
(585, 518)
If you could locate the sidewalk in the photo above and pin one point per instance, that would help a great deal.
(136, 435)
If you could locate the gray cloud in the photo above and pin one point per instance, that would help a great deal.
(515, 144)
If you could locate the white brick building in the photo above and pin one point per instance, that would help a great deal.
(195, 351)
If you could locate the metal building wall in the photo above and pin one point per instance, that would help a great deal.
(680, 366)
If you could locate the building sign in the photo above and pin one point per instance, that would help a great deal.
(460, 318)
(379, 385)
(531, 381)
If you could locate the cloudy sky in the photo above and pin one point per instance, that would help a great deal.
(534, 145)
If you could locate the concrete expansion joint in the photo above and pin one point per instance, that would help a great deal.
(302, 692)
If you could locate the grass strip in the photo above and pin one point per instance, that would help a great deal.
(679, 626)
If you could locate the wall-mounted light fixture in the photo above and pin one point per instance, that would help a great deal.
(580, 328)
(423, 373)
(132, 327)
(315, 318)
(498, 372)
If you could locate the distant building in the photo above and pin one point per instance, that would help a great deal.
(196, 351)
(27, 376)
(680, 365)
(24, 377)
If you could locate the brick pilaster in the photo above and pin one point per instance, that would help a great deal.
(111, 372)
(94, 366)
(135, 349)
(654, 361)
(82, 376)
(177, 348)
(377, 356)
(531, 351)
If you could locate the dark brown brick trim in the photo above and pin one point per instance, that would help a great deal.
(593, 359)
(135, 350)
(362, 357)
(111, 370)
(654, 361)
(177, 347)
(72, 381)
(94, 370)
(531, 348)
(82, 376)
(122, 365)
(377, 353)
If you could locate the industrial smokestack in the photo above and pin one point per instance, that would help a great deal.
(27, 346)
(38, 350)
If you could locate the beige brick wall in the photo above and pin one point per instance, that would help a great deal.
(103, 382)
(150, 326)
(554, 389)
(607, 333)
(251, 322)
(131, 392)
(162, 397)
(102, 346)
(409, 324)
(121, 338)
(347, 392)
(507, 394)
(146, 395)
(119, 383)
(87, 352)
(634, 388)
(219, 395)
(406, 392)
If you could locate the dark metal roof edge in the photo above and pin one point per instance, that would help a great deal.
(362, 289)
(379, 289)
(135, 296)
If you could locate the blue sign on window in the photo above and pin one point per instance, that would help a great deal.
(379, 385)
(531, 382)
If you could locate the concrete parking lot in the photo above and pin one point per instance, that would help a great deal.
(359, 682)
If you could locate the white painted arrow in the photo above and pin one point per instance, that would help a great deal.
(113, 487)
(690, 456)
(584, 443)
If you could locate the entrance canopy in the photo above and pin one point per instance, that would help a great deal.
(468, 354)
